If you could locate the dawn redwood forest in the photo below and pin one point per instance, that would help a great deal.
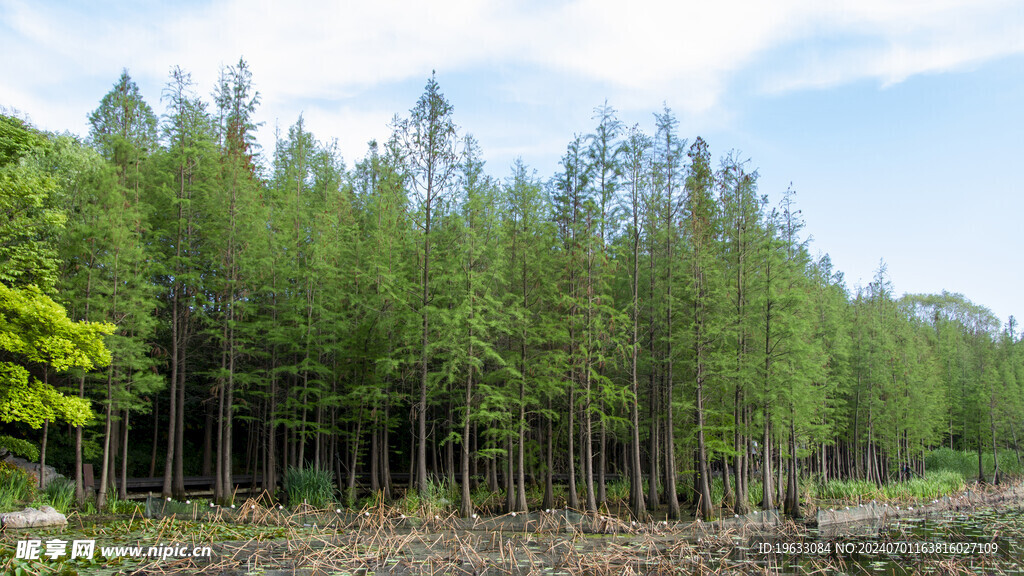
(175, 302)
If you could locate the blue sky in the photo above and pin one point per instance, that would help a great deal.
(900, 124)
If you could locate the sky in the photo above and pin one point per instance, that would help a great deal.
(899, 124)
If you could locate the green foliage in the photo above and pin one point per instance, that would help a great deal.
(311, 486)
(29, 217)
(416, 290)
(37, 330)
(965, 462)
(19, 447)
(123, 128)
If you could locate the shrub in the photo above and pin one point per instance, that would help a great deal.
(17, 486)
(19, 447)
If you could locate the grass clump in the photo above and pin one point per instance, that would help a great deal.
(851, 489)
(438, 498)
(309, 485)
(115, 505)
(60, 493)
(933, 485)
(483, 499)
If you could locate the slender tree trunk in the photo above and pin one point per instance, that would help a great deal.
(350, 492)
(792, 504)
(421, 455)
(574, 499)
(739, 444)
(670, 448)
(638, 505)
(520, 454)
(122, 487)
(510, 478)
(767, 502)
(549, 485)
(588, 435)
(42, 455)
(101, 495)
(156, 435)
(1016, 449)
(602, 460)
(172, 420)
(466, 510)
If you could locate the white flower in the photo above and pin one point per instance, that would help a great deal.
(168, 498)
(337, 510)
(188, 501)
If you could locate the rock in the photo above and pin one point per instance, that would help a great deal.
(49, 472)
(32, 518)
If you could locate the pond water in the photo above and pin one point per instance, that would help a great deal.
(983, 541)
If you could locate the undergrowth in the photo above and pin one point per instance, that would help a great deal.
(935, 484)
(966, 462)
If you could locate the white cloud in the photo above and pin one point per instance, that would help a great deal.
(688, 53)
(891, 42)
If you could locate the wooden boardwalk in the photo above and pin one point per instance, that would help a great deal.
(192, 483)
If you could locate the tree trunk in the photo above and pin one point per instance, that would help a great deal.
(574, 499)
(122, 486)
(549, 485)
(42, 455)
(466, 509)
(792, 504)
(101, 495)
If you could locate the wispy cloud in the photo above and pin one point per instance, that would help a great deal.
(690, 53)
